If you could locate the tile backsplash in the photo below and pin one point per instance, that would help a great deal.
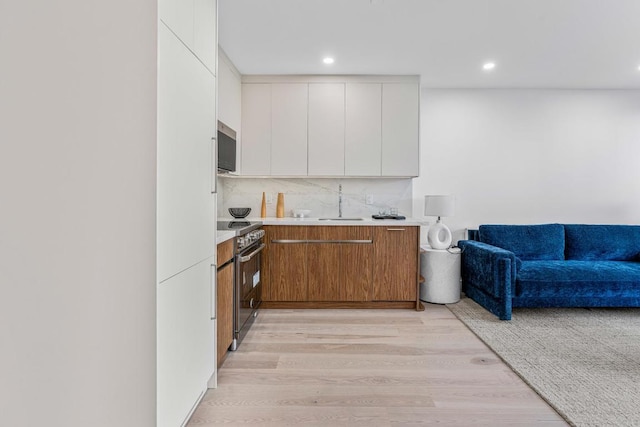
(320, 195)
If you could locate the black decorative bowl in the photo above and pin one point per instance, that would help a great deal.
(239, 212)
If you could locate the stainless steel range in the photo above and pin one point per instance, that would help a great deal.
(247, 285)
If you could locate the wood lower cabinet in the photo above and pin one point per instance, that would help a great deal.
(395, 274)
(323, 266)
(339, 263)
(224, 300)
(286, 264)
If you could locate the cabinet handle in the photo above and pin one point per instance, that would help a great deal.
(341, 241)
(214, 276)
(214, 166)
(395, 229)
(322, 241)
(251, 303)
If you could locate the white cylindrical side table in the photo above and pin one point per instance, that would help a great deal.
(441, 271)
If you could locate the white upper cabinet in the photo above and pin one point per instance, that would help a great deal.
(186, 126)
(229, 94)
(355, 126)
(326, 128)
(256, 129)
(400, 129)
(289, 129)
(363, 132)
(194, 22)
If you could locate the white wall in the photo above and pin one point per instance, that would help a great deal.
(77, 215)
(531, 156)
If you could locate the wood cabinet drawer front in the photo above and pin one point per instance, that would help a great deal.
(285, 232)
(225, 251)
(338, 233)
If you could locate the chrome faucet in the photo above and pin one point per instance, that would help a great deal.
(340, 201)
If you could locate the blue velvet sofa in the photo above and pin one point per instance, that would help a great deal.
(551, 265)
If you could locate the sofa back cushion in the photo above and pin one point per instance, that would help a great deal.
(592, 242)
(527, 242)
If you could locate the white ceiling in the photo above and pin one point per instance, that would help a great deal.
(535, 43)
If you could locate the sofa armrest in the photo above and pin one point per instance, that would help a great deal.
(489, 268)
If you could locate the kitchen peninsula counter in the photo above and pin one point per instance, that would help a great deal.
(367, 263)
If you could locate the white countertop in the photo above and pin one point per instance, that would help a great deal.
(315, 221)
(223, 236)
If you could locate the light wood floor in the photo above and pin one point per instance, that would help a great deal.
(368, 367)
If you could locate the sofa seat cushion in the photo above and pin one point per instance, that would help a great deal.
(595, 242)
(573, 278)
(527, 242)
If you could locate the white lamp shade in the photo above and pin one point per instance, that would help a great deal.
(439, 205)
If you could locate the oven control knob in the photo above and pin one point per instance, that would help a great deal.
(241, 242)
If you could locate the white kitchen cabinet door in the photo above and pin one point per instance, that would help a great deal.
(400, 129)
(229, 97)
(256, 129)
(326, 128)
(178, 16)
(289, 128)
(185, 346)
(363, 131)
(186, 125)
(205, 32)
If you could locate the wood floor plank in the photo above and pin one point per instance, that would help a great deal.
(367, 367)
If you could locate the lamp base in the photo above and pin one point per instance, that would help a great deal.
(439, 236)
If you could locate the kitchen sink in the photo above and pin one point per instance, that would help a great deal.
(341, 219)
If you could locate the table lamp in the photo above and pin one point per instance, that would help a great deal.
(439, 235)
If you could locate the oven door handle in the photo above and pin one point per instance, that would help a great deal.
(252, 254)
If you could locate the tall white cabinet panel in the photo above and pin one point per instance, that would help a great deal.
(289, 129)
(256, 129)
(186, 124)
(205, 33)
(363, 132)
(185, 348)
(326, 128)
(178, 16)
(194, 22)
(400, 124)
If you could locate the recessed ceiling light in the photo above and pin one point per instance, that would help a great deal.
(488, 66)
(328, 60)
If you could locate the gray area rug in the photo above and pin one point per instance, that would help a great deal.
(583, 362)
